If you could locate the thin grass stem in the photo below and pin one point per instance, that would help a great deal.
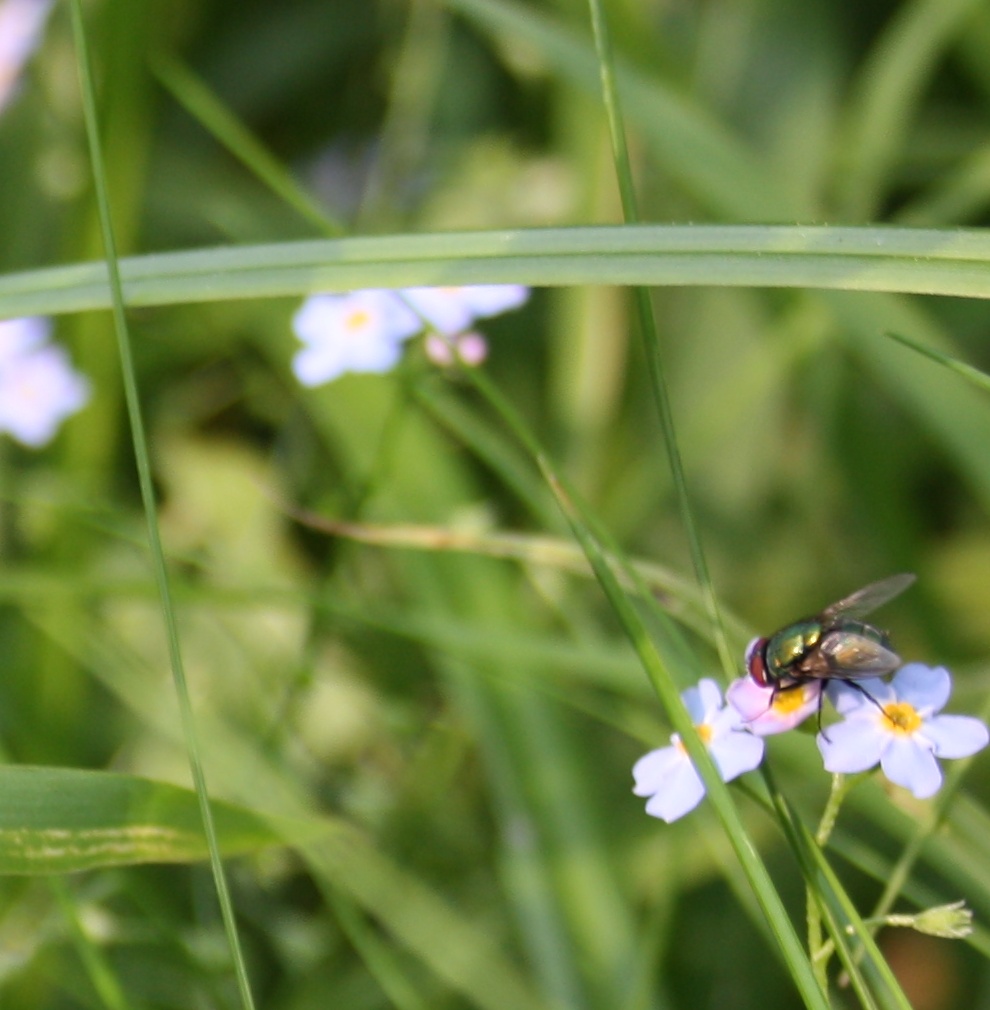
(143, 464)
(650, 335)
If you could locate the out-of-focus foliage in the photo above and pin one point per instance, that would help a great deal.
(473, 720)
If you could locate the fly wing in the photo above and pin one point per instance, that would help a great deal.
(850, 656)
(869, 598)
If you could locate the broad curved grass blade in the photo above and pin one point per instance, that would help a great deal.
(912, 260)
(60, 820)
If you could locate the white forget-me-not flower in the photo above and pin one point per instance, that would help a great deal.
(39, 388)
(667, 775)
(364, 331)
(361, 331)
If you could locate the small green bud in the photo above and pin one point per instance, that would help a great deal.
(951, 921)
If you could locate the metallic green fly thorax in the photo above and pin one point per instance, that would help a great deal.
(789, 646)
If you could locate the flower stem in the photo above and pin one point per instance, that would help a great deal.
(819, 950)
(840, 786)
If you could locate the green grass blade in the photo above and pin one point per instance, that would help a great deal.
(201, 103)
(841, 915)
(677, 596)
(917, 261)
(955, 413)
(665, 686)
(968, 372)
(651, 337)
(887, 92)
(493, 447)
(55, 821)
(63, 820)
(463, 956)
(451, 944)
(790, 946)
(98, 969)
(377, 953)
(684, 137)
(957, 197)
(143, 462)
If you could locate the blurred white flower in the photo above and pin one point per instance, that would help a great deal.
(38, 390)
(17, 336)
(22, 23)
(453, 310)
(363, 331)
(357, 332)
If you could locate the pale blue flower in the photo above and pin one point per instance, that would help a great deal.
(38, 389)
(358, 332)
(668, 776)
(900, 728)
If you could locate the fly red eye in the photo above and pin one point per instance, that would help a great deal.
(755, 663)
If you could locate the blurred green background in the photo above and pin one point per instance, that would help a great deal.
(476, 719)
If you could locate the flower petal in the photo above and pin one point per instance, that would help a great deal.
(852, 746)
(451, 310)
(956, 736)
(711, 696)
(652, 770)
(726, 720)
(926, 687)
(375, 354)
(908, 764)
(736, 753)
(791, 707)
(493, 299)
(703, 700)
(315, 365)
(748, 698)
(447, 310)
(682, 792)
(848, 700)
(17, 336)
(371, 313)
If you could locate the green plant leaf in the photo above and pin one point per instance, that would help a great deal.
(60, 820)
(916, 260)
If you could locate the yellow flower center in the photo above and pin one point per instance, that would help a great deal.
(357, 320)
(790, 701)
(704, 731)
(903, 717)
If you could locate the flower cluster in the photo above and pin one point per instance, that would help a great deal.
(364, 331)
(38, 386)
(895, 724)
